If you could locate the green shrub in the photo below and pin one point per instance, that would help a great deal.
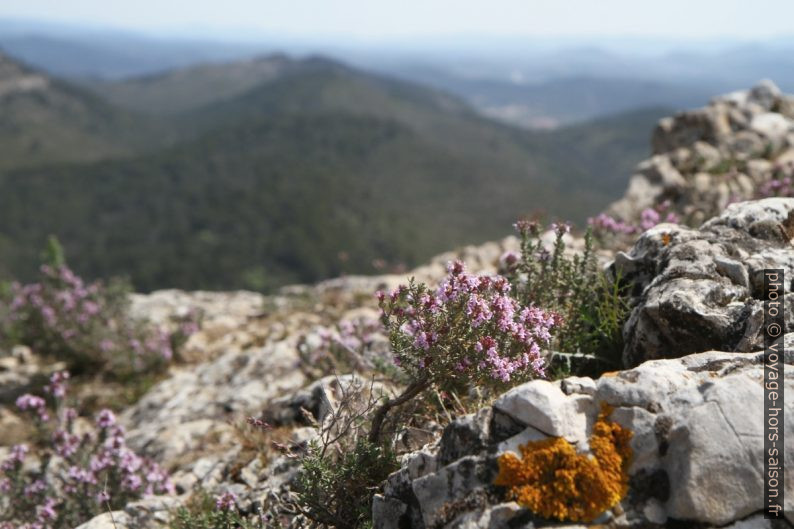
(590, 302)
(202, 511)
(336, 489)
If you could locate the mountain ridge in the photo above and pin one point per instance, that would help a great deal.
(320, 172)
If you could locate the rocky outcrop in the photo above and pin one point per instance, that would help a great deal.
(696, 417)
(247, 351)
(697, 448)
(176, 416)
(695, 290)
(704, 159)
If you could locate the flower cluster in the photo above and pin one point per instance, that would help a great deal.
(77, 473)
(604, 224)
(470, 328)
(355, 344)
(88, 325)
(777, 187)
(226, 501)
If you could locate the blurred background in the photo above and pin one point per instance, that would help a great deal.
(252, 144)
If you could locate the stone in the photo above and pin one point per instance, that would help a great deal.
(528, 434)
(181, 413)
(581, 385)
(437, 493)
(689, 416)
(387, 512)
(660, 171)
(544, 406)
(707, 158)
(464, 436)
(766, 94)
(109, 520)
(696, 290)
(746, 144)
(706, 155)
(773, 127)
(724, 432)
(152, 512)
(492, 517)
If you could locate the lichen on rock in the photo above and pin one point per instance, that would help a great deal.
(555, 481)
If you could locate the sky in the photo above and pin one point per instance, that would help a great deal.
(382, 20)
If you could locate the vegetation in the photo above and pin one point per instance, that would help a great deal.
(555, 481)
(484, 332)
(338, 492)
(591, 304)
(321, 171)
(204, 512)
(71, 474)
(468, 331)
(59, 122)
(89, 326)
(352, 346)
(341, 469)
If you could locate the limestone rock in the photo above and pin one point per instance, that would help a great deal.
(108, 520)
(697, 450)
(181, 413)
(545, 407)
(695, 290)
(707, 158)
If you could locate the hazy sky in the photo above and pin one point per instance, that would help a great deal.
(399, 18)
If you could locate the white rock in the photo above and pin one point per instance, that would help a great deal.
(544, 406)
(772, 126)
(108, 520)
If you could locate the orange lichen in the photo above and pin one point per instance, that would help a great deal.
(555, 481)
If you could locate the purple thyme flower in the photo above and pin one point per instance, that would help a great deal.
(105, 419)
(57, 385)
(34, 403)
(226, 501)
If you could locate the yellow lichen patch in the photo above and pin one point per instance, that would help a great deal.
(555, 481)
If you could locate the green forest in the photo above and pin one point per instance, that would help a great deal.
(315, 170)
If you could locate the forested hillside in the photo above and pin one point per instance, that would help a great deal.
(318, 170)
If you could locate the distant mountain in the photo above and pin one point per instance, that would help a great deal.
(528, 82)
(105, 53)
(184, 89)
(44, 121)
(568, 100)
(319, 170)
(547, 104)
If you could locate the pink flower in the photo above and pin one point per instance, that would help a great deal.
(102, 497)
(258, 423)
(226, 501)
(105, 419)
(91, 308)
(649, 218)
(57, 385)
(33, 403)
(46, 512)
(560, 228)
(478, 310)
